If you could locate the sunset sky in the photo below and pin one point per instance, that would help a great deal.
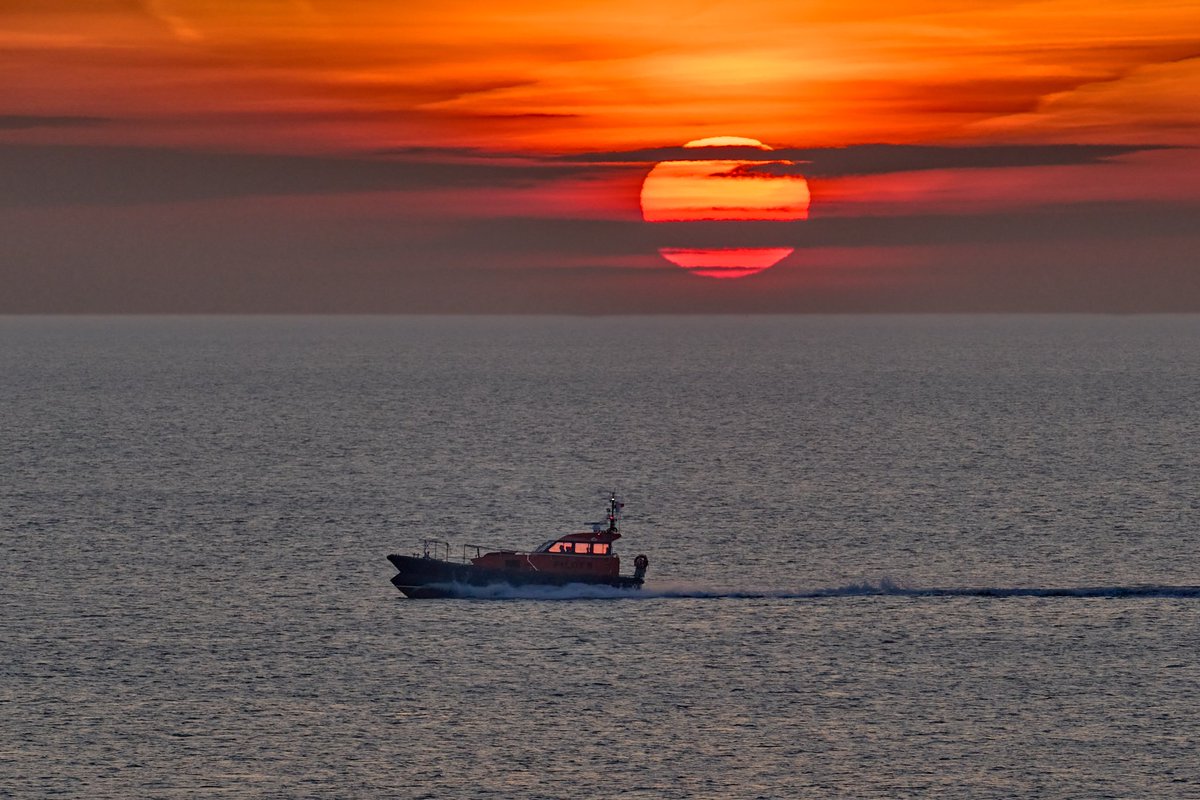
(454, 156)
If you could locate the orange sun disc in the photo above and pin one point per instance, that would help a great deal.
(724, 189)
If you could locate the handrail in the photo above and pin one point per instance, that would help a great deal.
(439, 548)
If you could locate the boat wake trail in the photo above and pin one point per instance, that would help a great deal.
(579, 591)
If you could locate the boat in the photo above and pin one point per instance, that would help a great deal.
(587, 558)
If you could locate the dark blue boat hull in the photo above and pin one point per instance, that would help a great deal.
(423, 577)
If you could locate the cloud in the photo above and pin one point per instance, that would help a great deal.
(83, 174)
(302, 255)
(11, 122)
(1120, 221)
(39, 175)
(870, 159)
(54, 8)
(1151, 101)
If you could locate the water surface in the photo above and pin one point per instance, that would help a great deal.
(890, 557)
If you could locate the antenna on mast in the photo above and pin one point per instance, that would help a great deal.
(614, 511)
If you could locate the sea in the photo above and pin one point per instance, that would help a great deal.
(890, 557)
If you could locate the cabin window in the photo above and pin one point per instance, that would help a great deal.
(581, 548)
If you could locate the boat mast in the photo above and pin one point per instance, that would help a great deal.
(614, 511)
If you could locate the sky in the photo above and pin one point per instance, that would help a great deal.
(413, 156)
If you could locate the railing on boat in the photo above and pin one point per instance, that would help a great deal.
(435, 548)
(439, 549)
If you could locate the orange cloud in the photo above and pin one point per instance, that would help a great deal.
(1157, 100)
(585, 74)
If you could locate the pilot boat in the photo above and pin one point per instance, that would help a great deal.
(577, 558)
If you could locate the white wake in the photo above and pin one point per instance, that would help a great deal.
(884, 588)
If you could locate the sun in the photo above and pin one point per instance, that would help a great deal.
(741, 188)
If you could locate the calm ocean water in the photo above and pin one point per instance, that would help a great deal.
(890, 557)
